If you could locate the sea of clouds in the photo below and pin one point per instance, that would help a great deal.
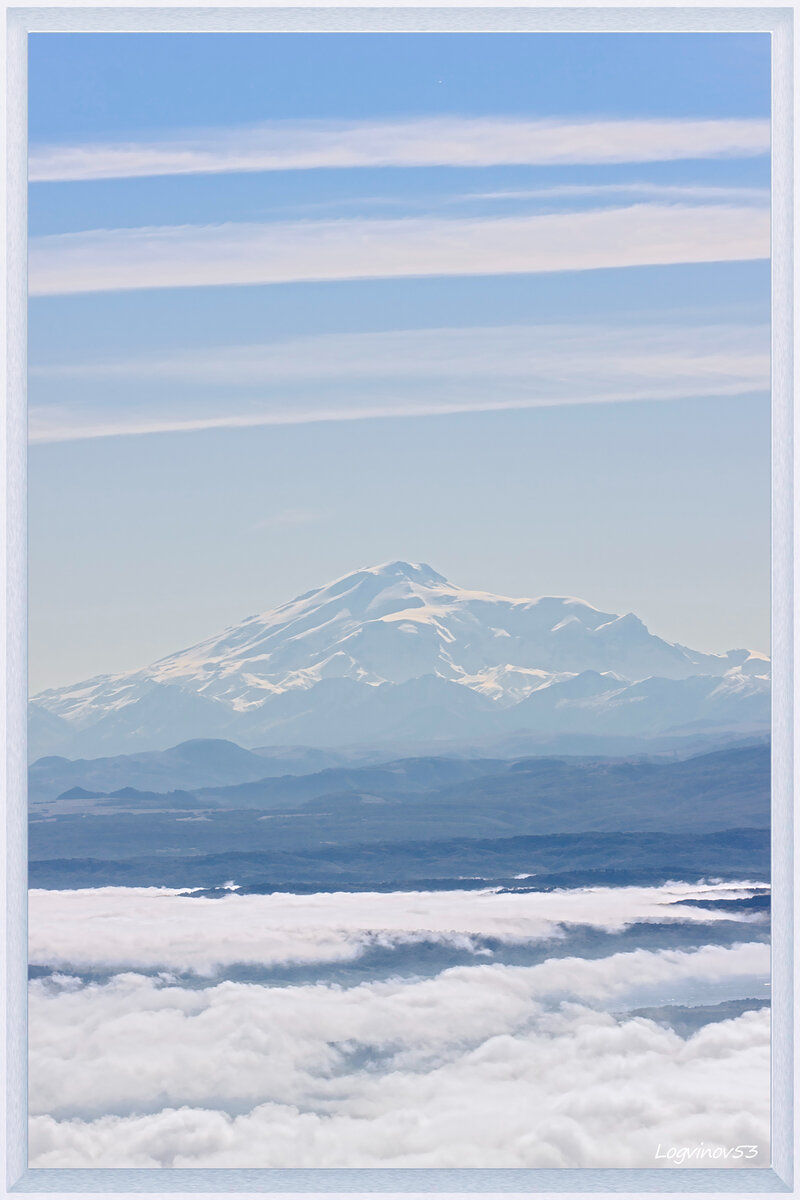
(152, 928)
(479, 1065)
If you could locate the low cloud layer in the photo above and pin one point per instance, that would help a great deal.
(472, 1068)
(313, 251)
(153, 928)
(124, 1044)
(431, 141)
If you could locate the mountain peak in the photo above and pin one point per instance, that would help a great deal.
(399, 569)
(374, 578)
(363, 653)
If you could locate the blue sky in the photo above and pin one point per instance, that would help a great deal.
(301, 303)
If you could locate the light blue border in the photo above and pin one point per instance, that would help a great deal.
(746, 1182)
(750, 1182)
(15, 632)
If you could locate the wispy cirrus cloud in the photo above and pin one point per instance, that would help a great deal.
(412, 372)
(720, 193)
(314, 251)
(544, 197)
(723, 353)
(430, 141)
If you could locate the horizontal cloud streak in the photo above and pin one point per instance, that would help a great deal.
(409, 202)
(412, 372)
(431, 141)
(152, 928)
(725, 353)
(662, 191)
(316, 251)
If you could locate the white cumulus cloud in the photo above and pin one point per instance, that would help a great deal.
(136, 1040)
(468, 1069)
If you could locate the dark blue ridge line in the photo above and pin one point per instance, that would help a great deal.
(554, 860)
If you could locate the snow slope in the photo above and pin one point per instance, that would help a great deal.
(397, 651)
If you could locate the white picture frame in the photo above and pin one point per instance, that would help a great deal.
(780, 1177)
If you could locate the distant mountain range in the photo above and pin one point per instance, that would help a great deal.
(410, 819)
(396, 654)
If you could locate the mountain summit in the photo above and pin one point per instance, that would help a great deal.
(397, 651)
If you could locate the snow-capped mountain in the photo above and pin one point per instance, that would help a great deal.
(398, 652)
